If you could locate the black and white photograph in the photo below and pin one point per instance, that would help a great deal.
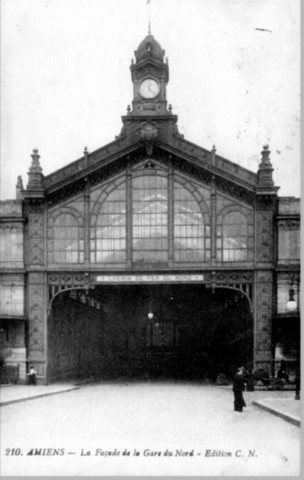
(150, 281)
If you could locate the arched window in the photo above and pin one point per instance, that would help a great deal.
(68, 239)
(11, 246)
(150, 218)
(108, 236)
(191, 236)
(136, 219)
(233, 238)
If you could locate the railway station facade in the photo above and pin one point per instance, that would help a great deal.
(149, 257)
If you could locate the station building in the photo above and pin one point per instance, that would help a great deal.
(151, 257)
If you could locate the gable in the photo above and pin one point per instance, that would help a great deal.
(188, 159)
(150, 212)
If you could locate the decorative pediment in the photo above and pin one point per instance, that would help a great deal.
(148, 135)
(187, 158)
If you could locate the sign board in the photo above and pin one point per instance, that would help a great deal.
(155, 278)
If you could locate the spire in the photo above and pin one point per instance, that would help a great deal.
(148, 2)
(149, 48)
(86, 153)
(265, 182)
(213, 155)
(265, 162)
(265, 169)
(19, 187)
(35, 173)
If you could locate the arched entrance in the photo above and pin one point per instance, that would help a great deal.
(149, 331)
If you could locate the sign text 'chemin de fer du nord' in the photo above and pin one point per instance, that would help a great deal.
(155, 278)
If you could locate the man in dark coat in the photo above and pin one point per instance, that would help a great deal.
(249, 381)
(282, 373)
(32, 376)
(238, 387)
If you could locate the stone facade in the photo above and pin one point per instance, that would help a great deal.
(12, 286)
(287, 323)
(72, 327)
(53, 242)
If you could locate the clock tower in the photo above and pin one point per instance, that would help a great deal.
(150, 75)
(149, 121)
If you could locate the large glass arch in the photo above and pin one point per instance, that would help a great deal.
(234, 238)
(191, 234)
(149, 214)
(68, 239)
(150, 218)
(108, 235)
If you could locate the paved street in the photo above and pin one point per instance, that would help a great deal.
(131, 429)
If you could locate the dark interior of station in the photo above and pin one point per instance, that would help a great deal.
(149, 332)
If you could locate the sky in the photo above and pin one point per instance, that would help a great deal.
(234, 78)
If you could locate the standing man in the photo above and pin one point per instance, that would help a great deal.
(238, 387)
(32, 376)
(282, 373)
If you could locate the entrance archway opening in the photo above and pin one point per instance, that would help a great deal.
(167, 331)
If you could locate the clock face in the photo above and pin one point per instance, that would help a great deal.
(149, 88)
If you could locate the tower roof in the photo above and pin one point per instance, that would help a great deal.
(149, 47)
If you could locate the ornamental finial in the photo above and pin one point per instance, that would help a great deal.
(19, 182)
(19, 188)
(265, 162)
(35, 172)
(265, 169)
(35, 166)
(213, 157)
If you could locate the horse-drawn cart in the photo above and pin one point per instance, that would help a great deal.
(262, 377)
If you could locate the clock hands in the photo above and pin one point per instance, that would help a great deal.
(149, 88)
(150, 84)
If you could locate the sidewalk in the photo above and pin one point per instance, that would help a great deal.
(280, 403)
(20, 393)
(285, 407)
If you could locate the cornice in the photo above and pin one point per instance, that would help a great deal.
(287, 217)
(12, 220)
(222, 167)
(207, 166)
(77, 171)
(206, 172)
